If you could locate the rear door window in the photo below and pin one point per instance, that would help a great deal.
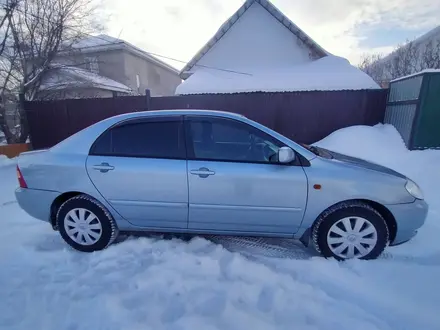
(143, 138)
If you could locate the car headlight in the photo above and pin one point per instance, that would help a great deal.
(413, 189)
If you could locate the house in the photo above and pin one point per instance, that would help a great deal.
(103, 66)
(258, 49)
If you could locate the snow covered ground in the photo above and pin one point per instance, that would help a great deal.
(223, 283)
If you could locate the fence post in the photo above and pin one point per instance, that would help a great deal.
(148, 99)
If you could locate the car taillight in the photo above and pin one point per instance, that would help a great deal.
(21, 179)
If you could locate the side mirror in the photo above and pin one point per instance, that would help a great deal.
(286, 155)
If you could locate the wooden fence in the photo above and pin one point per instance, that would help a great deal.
(302, 116)
(13, 150)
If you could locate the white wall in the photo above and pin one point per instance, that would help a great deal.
(159, 81)
(256, 40)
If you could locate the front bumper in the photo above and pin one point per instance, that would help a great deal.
(409, 217)
(36, 202)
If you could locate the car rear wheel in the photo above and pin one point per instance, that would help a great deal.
(351, 230)
(85, 224)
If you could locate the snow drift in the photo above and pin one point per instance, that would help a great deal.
(330, 73)
(5, 161)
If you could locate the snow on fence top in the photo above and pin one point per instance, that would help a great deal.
(329, 73)
(417, 73)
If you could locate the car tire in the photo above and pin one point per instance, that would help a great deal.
(350, 230)
(85, 224)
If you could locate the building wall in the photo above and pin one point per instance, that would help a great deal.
(123, 66)
(256, 40)
(160, 81)
(109, 63)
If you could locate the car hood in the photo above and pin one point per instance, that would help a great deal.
(364, 164)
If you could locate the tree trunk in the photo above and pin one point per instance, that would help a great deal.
(10, 138)
(24, 127)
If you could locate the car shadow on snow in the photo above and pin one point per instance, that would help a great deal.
(247, 246)
(259, 248)
(250, 247)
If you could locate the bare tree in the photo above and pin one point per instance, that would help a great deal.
(7, 10)
(372, 65)
(430, 56)
(40, 30)
(404, 60)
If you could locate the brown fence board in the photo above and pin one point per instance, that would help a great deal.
(13, 150)
(303, 116)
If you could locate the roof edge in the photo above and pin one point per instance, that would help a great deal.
(121, 44)
(227, 25)
(84, 82)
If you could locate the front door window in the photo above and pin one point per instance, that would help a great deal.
(219, 139)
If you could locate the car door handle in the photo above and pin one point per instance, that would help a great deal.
(103, 167)
(202, 172)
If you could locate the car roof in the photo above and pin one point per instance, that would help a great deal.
(172, 112)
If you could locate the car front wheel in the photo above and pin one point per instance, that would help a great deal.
(350, 230)
(85, 224)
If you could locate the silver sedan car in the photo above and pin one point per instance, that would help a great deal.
(209, 172)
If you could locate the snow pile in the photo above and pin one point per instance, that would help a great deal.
(158, 284)
(329, 73)
(5, 161)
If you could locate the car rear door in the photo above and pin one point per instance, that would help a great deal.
(139, 167)
(235, 184)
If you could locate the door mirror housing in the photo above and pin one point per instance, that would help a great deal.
(286, 155)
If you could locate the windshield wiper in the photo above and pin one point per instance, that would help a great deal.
(315, 150)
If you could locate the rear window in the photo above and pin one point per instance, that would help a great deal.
(150, 139)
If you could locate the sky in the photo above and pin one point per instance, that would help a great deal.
(347, 28)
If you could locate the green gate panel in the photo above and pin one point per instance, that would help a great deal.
(427, 129)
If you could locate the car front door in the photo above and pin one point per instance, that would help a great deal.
(139, 167)
(235, 181)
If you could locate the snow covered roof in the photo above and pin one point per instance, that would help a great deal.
(417, 74)
(64, 77)
(275, 12)
(104, 42)
(326, 74)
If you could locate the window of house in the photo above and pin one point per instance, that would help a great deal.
(92, 63)
(149, 139)
(229, 140)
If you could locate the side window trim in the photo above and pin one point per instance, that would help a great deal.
(190, 143)
(152, 119)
